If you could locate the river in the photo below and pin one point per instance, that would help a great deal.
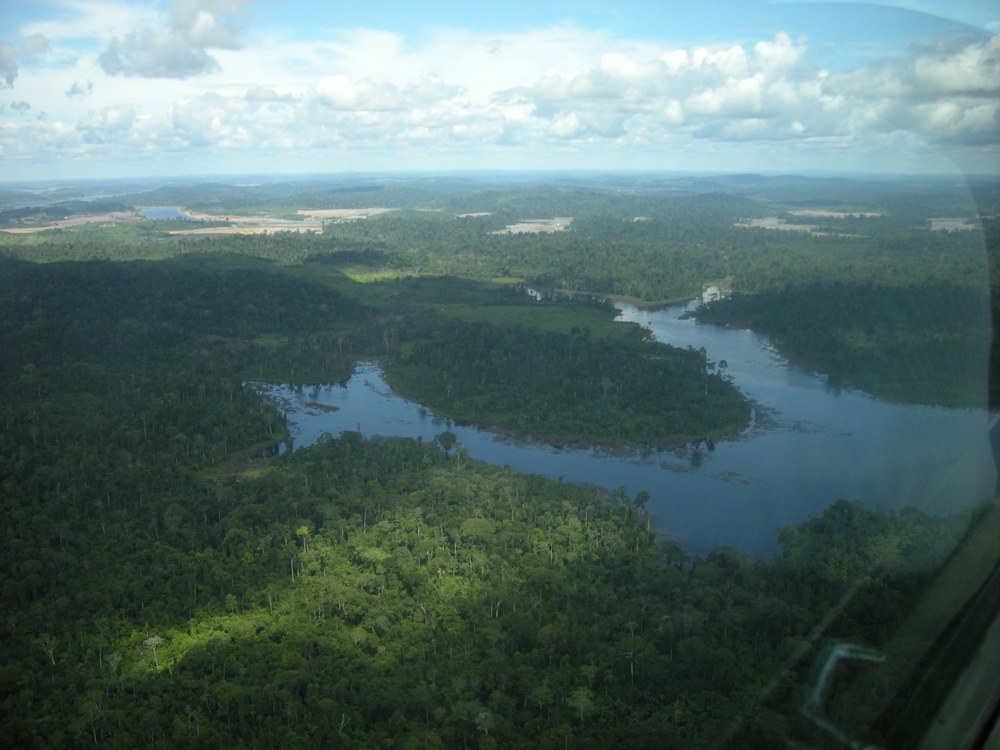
(809, 445)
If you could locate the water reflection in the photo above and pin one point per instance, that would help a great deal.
(808, 446)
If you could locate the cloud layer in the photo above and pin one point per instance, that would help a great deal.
(8, 67)
(178, 47)
(553, 96)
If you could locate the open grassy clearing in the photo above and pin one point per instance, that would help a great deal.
(271, 340)
(538, 226)
(341, 213)
(366, 275)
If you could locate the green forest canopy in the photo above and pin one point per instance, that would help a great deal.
(164, 589)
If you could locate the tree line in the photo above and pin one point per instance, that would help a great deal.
(924, 344)
(569, 386)
(164, 585)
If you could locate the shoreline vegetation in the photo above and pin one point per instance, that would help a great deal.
(683, 242)
(866, 348)
(359, 593)
(571, 388)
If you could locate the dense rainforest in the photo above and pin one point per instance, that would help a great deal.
(643, 239)
(520, 378)
(168, 583)
(917, 343)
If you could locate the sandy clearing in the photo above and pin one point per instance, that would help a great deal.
(75, 221)
(233, 219)
(773, 222)
(248, 229)
(342, 213)
(528, 226)
(945, 224)
(821, 213)
(312, 221)
(248, 225)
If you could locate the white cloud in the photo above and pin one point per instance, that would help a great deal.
(673, 112)
(149, 54)
(34, 46)
(8, 67)
(79, 90)
(109, 125)
(650, 95)
(972, 70)
(950, 121)
(566, 126)
(771, 92)
(512, 98)
(345, 93)
(30, 50)
(179, 46)
(780, 55)
(947, 94)
(738, 97)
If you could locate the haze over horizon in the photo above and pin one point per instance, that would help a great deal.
(106, 89)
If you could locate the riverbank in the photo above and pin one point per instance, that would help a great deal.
(570, 387)
(647, 305)
(926, 344)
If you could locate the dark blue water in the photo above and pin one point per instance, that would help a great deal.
(809, 446)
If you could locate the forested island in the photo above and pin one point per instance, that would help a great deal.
(168, 583)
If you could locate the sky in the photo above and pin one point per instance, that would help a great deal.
(118, 88)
